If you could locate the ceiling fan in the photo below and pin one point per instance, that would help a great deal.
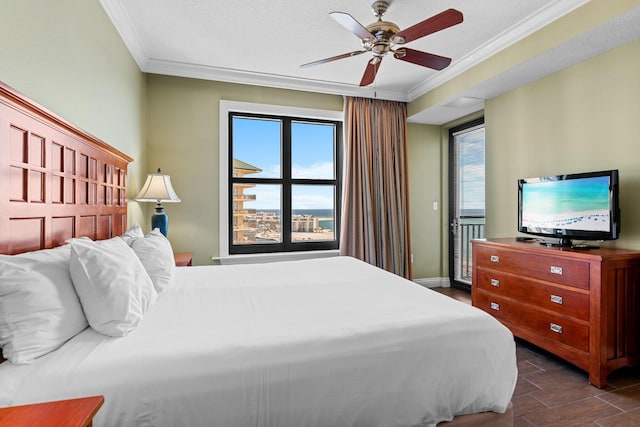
(382, 37)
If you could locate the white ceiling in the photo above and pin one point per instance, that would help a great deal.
(264, 43)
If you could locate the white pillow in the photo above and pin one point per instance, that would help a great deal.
(132, 233)
(113, 286)
(39, 308)
(156, 254)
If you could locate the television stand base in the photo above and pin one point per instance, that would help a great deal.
(561, 243)
(566, 243)
(581, 246)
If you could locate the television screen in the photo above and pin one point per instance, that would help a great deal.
(579, 206)
(571, 204)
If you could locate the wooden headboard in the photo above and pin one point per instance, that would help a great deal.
(56, 181)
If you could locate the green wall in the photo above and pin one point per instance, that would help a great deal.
(183, 139)
(425, 152)
(576, 120)
(67, 56)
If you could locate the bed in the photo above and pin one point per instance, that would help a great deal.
(325, 342)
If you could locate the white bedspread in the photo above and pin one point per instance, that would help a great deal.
(328, 342)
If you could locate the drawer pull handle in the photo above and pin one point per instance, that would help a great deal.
(495, 282)
(495, 306)
(555, 328)
(556, 270)
(495, 258)
(557, 299)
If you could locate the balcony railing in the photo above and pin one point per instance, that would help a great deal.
(469, 228)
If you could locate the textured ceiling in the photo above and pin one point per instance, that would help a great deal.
(265, 42)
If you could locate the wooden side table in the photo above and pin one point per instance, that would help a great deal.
(183, 259)
(67, 413)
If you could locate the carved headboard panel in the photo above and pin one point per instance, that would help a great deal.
(56, 181)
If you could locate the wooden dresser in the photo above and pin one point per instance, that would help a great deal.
(581, 305)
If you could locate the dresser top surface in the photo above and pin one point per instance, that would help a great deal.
(534, 246)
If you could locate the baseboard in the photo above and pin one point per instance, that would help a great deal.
(434, 282)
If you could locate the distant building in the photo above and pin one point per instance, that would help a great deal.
(304, 224)
(244, 223)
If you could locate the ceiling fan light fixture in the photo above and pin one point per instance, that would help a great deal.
(380, 49)
(368, 43)
(400, 53)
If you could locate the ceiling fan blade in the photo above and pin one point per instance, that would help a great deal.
(446, 19)
(350, 23)
(425, 59)
(333, 58)
(370, 72)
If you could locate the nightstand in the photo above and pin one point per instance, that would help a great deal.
(68, 413)
(183, 259)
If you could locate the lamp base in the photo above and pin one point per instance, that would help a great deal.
(160, 220)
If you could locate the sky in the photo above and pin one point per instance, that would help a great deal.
(257, 142)
(472, 176)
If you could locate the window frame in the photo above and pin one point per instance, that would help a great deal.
(290, 114)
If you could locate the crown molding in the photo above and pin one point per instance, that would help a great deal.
(118, 15)
(515, 33)
(181, 69)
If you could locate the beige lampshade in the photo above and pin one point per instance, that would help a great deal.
(157, 188)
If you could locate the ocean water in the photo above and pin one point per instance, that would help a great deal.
(565, 197)
(322, 213)
(472, 212)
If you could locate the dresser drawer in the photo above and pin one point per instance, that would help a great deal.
(539, 294)
(542, 323)
(551, 268)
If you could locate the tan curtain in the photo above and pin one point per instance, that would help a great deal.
(375, 219)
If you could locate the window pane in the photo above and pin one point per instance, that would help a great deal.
(256, 214)
(257, 147)
(313, 213)
(312, 150)
(471, 178)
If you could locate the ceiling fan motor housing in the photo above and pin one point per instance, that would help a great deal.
(383, 32)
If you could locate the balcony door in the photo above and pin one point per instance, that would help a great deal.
(466, 198)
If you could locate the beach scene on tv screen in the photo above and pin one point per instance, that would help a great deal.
(580, 204)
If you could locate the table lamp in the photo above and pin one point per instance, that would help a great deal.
(158, 189)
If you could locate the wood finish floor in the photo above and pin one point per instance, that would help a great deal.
(552, 392)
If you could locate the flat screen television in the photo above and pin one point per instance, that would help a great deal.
(580, 206)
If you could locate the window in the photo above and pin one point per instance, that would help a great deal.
(283, 177)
